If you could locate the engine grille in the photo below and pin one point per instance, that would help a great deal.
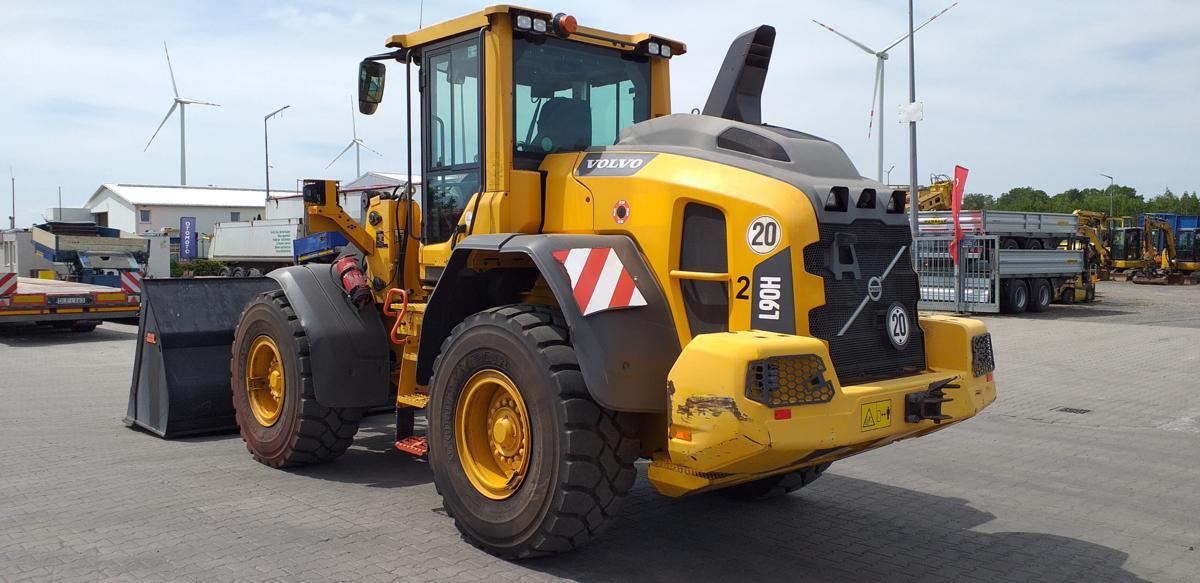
(864, 353)
(982, 361)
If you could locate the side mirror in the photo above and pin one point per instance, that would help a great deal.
(371, 75)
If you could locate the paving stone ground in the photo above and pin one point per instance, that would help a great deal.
(1021, 493)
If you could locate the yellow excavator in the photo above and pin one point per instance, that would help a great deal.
(937, 196)
(1157, 266)
(586, 279)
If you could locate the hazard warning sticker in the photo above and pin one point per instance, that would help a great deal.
(876, 415)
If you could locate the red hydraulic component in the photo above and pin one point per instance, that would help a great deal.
(387, 311)
(353, 282)
(413, 444)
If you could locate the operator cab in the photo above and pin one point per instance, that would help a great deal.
(572, 88)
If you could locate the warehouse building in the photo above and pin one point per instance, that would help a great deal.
(140, 208)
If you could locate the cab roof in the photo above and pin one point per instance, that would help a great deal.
(477, 20)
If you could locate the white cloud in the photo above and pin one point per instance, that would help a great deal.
(1037, 93)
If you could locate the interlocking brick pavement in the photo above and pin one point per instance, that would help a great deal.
(1021, 493)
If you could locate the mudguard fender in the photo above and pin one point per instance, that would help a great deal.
(348, 347)
(624, 354)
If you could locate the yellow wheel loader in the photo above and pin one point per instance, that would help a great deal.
(585, 280)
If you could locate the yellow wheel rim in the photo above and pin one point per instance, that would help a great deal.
(265, 381)
(491, 429)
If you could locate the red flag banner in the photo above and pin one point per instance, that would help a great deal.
(956, 199)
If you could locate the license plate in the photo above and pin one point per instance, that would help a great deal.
(69, 300)
(876, 415)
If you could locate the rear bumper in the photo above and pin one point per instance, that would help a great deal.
(719, 435)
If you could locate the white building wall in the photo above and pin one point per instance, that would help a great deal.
(292, 207)
(168, 217)
(120, 213)
(17, 254)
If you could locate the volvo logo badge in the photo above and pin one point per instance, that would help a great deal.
(875, 289)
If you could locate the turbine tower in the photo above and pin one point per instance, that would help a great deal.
(355, 143)
(181, 103)
(881, 57)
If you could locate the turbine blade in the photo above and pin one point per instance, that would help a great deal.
(161, 124)
(923, 24)
(207, 103)
(874, 97)
(363, 144)
(171, 69)
(348, 146)
(852, 41)
(353, 126)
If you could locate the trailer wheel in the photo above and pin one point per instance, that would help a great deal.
(239, 272)
(84, 326)
(773, 486)
(1034, 243)
(526, 462)
(1016, 297)
(1041, 295)
(1010, 243)
(280, 422)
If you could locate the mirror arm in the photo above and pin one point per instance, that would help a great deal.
(400, 55)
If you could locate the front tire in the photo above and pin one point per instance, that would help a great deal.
(281, 423)
(551, 489)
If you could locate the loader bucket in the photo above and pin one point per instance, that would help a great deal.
(181, 367)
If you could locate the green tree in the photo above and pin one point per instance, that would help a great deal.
(978, 201)
(1025, 198)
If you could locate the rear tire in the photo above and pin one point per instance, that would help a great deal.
(1010, 243)
(84, 326)
(1032, 243)
(1041, 295)
(297, 430)
(773, 486)
(578, 467)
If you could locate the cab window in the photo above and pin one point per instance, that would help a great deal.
(569, 96)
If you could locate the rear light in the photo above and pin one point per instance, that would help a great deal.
(782, 414)
(681, 434)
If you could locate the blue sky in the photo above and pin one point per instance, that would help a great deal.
(1048, 94)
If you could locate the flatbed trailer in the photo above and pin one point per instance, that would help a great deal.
(28, 300)
(1009, 262)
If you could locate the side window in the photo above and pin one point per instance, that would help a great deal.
(454, 101)
(143, 216)
(452, 136)
(235, 216)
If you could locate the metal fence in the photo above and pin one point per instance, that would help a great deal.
(971, 286)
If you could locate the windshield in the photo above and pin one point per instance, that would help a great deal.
(569, 96)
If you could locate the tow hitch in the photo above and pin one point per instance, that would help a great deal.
(927, 404)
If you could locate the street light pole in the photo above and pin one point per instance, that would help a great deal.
(912, 128)
(1110, 194)
(267, 150)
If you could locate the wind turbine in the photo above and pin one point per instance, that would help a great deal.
(181, 103)
(355, 143)
(881, 57)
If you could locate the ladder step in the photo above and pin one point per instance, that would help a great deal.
(416, 400)
(413, 444)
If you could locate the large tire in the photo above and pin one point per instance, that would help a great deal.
(1034, 243)
(302, 430)
(1041, 295)
(579, 464)
(1016, 297)
(773, 486)
(1010, 243)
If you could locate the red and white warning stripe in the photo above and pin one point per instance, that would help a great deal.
(131, 282)
(8, 284)
(599, 280)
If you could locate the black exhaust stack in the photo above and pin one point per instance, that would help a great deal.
(737, 91)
